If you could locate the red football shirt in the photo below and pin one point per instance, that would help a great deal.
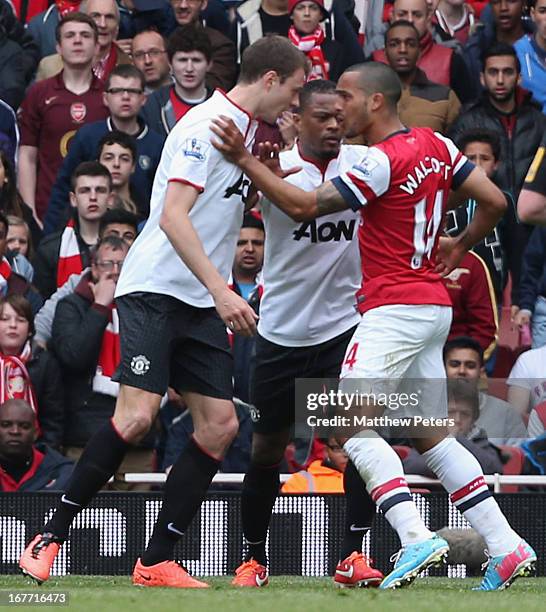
(49, 117)
(401, 188)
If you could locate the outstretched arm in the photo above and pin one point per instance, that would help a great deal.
(178, 227)
(295, 202)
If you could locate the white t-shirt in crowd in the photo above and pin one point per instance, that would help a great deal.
(529, 372)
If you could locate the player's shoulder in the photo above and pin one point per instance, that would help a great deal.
(352, 154)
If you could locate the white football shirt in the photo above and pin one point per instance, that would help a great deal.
(152, 264)
(312, 269)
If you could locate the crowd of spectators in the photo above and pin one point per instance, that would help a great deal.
(90, 89)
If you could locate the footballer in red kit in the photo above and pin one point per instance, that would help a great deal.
(401, 187)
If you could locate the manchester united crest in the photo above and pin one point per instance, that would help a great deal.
(78, 111)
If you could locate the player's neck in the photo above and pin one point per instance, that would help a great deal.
(89, 230)
(77, 79)
(247, 97)
(321, 161)
(382, 128)
(129, 125)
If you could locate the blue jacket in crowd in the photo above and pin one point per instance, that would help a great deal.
(533, 71)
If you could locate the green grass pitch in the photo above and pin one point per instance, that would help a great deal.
(284, 594)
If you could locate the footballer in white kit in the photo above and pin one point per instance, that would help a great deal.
(174, 303)
(311, 273)
(159, 298)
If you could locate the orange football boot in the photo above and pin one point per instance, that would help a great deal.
(165, 574)
(251, 574)
(38, 557)
(357, 571)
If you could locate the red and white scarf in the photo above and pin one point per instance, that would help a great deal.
(67, 6)
(310, 45)
(5, 273)
(70, 259)
(109, 358)
(15, 380)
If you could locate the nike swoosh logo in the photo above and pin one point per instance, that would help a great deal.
(348, 574)
(144, 577)
(67, 501)
(261, 581)
(50, 100)
(172, 528)
(353, 527)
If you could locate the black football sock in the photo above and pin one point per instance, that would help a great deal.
(185, 489)
(100, 459)
(260, 490)
(359, 514)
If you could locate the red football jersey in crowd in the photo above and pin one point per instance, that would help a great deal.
(401, 188)
(49, 117)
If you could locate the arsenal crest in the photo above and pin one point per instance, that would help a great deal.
(78, 111)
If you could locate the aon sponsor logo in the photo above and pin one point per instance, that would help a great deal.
(327, 231)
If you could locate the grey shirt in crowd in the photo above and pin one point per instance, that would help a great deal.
(501, 422)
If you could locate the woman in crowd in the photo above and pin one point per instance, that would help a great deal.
(29, 373)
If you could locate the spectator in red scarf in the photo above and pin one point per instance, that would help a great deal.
(326, 56)
(85, 338)
(68, 251)
(27, 373)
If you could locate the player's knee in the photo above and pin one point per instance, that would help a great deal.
(141, 423)
(220, 432)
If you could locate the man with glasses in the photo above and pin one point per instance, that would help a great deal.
(149, 54)
(86, 342)
(124, 97)
(67, 251)
(105, 13)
